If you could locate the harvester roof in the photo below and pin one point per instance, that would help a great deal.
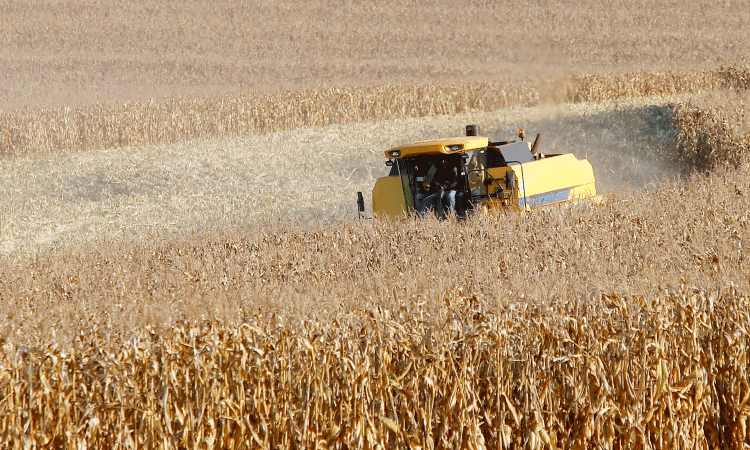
(445, 146)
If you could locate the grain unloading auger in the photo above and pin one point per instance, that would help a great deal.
(470, 173)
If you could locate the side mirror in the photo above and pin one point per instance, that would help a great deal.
(361, 202)
(389, 163)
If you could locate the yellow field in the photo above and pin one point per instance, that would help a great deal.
(181, 268)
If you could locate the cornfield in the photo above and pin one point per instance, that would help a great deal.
(714, 130)
(168, 280)
(51, 130)
(664, 372)
(600, 330)
(41, 131)
(611, 326)
(608, 327)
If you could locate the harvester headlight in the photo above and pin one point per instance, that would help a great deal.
(394, 153)
(454, 148)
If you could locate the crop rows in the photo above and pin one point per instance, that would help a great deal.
(620, 325)
(44, 131)
(594, 88)
(52, 130)
(714, 130)
(629, 372)
(612, 326)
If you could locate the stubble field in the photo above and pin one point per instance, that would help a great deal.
(181, 266)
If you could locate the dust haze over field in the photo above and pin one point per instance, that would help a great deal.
(302, 175)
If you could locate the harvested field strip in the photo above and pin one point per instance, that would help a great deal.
(90, 196)
(45, 131)
(622, 372)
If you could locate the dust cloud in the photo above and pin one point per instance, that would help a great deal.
(628, 146)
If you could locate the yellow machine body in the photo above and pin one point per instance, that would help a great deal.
(554, 179)
(501, 176)
(388, 198)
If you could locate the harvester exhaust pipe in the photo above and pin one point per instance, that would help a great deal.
(472, 130)
(535, 147)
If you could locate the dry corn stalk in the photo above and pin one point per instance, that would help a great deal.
(660, 372)
(50, 130)
(41, 131)
(713, 132)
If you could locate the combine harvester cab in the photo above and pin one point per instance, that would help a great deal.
(482, 175)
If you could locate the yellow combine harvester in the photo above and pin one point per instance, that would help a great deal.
(469, 173)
